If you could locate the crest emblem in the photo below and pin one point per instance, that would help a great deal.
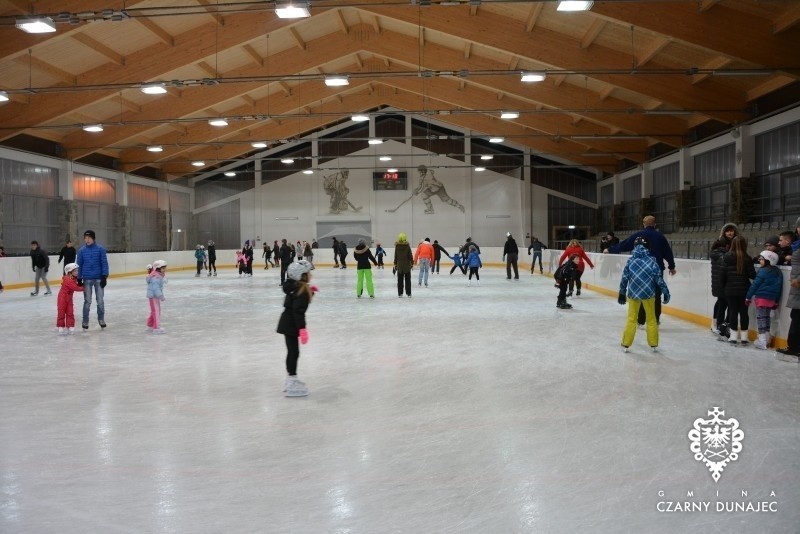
(716, 441)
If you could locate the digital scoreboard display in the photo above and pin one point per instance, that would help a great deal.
(389, 181)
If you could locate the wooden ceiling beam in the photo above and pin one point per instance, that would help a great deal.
(723, 30)
(646, 54)
(563, 52)
(467, 49)
(533, 16)
(341, 20)
(705, 5)
(42, 66)
(716, 63)
(253, 55)
(210, 9)
(128, 105)
(591, 34)
(773, 84)
(209, 71)
(165, 37)
(285, 88)
(100, 48)
(787, 19)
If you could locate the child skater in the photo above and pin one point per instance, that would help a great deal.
(457, 264)
(766, 292)
(638, 286)
(563, 276)
(363, 256)
(379, 254)
(292, 323)
(155, 294)
(200, 256)
(737, 271)
(241, 262)
(474, 262)
(65, 321)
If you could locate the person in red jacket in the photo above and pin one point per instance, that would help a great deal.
(575, 247)
(65, 320)
(424, 257)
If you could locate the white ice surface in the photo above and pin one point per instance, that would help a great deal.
(462, 409)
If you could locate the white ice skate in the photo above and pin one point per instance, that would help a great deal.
(62, 331)
(71, 330)
(296, 388)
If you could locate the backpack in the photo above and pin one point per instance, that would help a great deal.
(564, 272)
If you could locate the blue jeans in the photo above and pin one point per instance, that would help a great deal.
(87, 299)
(424, 268)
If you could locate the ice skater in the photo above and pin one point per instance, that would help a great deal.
(575, 247)
(766, 292)
(155, 295)
(363, 256)
(423, 257)
(200, 256)
(241, 263)
(403, 262)
(537, 247)
(474, 263)
(212, 257)
(379, 254)
(737, 271)
(640, 277)
(437, 258)
(292, 323)
(563, 276)
(458, 264)
(510, 256)
(41, 264)
(65, 319)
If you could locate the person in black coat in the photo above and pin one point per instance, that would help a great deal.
(609, 240)
(718, 249)
(248, 254)
(343, 253)
(68, 254)
(511, 255)
(292, 323)
(437, 256)
(40, 262)
(212, 256)
(737, 271)
(286, 259)
(335, 247)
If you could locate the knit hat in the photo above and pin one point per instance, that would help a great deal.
(402, 237)
(770, 256)
(91, 234)
(362, 241)
(772, 240)
(428, 239)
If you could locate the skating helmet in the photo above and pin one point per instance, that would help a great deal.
(149, 267)
(297, 269)
(197, 247)
(68, 268)
(210, 242)
(202, 247)
(770, 256)
(159, 264)
(641, 240)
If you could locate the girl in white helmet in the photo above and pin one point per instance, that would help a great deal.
(65, 320)
(292, 323)
(155, 294)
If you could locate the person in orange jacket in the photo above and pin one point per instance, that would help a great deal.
(575, 247)
(424, 256)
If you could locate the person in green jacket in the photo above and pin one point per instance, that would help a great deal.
(403, 261)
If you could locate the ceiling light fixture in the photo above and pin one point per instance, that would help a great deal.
(533, 77)
(391, 169)
(155, 148)
(292, 11)
(496, 139)
(509, 115)
(336, 81)
(3, 96)
(480, 169)
(258, 144)
(158, 88)
(308, 171)
(36, 25)
(375, 141)
(198, 163)
(219, 123)
(359, 118)
(487, 157)
(385, 158)
(574, 5)
(230, 173)
(93, 128)
(287, 161)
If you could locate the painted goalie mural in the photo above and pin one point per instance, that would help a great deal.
(335, 186)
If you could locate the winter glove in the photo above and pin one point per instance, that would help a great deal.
(394, 270)
(80, 282)
(314, 288)
(666, 297)
(622, 299)
(747, 302)
(303, 336)
(103, 281)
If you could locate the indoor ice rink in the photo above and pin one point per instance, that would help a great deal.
(462, 409)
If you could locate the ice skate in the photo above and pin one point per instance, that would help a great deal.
(71, 330)
(625, 349)
(197, 275)
(62, 331)
(85, 326)
(102, 323)
(215, 273)
(569, 293)
(296, 388)
(655, 349)
(289, 380)
(762, 342)
(714, 329)
(34, 293)
(48, 292)
(787, 355)
(159, 331)
(733, 338)
(578, 293)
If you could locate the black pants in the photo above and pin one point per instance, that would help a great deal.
(511, 261)
(463, 269)
(474, 270)
(403, 277)
(643, 316)
(793, 339)
(537, 254)
(212, 264)
(341, 258)
(380, 261)
(435, 266)
(292, 354)
(199, 266)
(576, 281)
(562, 292)
(284, 266)
(737, 313)
(335, 259)
(721, 310)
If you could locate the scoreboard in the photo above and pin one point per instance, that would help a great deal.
(389, 181)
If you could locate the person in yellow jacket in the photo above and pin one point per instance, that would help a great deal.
(423, 257)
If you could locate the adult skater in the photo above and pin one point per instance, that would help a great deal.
(286, 259)
(792, 351)
(438, 250)
(511, 255)
(403, 262)
(248, 254)
(659, 249)
(423, 257)
(363, 256)
(212, 257)
(335, 247)
(93, 269)
(68, 254)
(718, 249)
(267, 255)
(737, 271)
(575, 247)
(343, 253)
(308, 253)
(537, 247)
(292, 323)
(40, 262)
